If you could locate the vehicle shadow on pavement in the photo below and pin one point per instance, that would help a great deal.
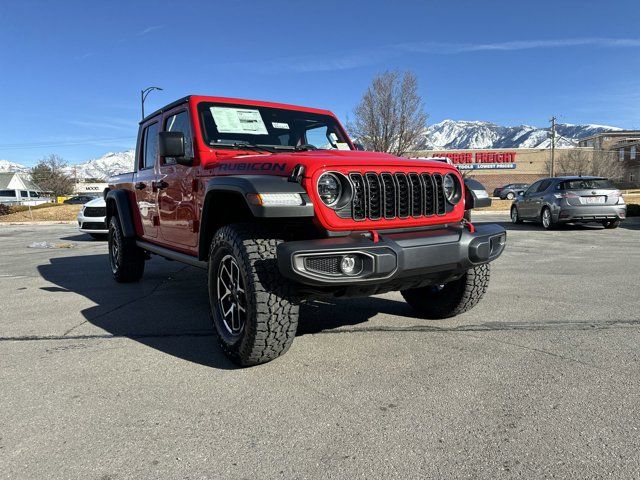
(327, 314)
(84, 237)
(168, 310)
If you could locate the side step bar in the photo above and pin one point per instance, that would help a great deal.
(171, 255)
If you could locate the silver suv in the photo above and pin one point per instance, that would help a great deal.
(552, 201)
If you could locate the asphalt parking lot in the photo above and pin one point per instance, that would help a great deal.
(106, 381)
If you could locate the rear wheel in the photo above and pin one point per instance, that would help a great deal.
(515, 216)
(547, 219)
(511, 196)
(450, 299)
(254, 314)
(611, 223)
(125, 257)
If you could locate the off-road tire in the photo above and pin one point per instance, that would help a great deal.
(271, 317)
(452, 298)
(127, 260)
(515, 215)
(611, 223)
(551, 225)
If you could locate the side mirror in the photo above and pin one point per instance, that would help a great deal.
(358, 146)
(171, 145)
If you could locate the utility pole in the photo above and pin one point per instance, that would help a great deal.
(553, 146)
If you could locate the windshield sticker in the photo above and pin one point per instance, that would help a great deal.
(238, 120)
(342, 146)
(280, 125)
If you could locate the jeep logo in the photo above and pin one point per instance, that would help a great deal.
(251, 167)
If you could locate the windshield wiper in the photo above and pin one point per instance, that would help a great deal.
(253, 146)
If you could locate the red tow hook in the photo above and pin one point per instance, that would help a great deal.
(469, 225)
(374, 236)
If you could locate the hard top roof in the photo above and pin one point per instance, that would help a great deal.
(236, 101)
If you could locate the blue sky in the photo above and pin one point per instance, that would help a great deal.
(71, 71)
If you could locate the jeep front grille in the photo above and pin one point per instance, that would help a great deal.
(396, 195)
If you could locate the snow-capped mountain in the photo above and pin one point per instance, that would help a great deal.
(111, 163)
(7, 166)
(452, 134)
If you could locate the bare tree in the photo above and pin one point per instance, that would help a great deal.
(390, 117)
(50, 175)
(600, 163)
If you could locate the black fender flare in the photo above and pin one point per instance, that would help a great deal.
(255, 184)
(119, 200)
(247, 185)
(475, 195)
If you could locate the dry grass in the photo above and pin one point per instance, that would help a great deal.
(57, 213)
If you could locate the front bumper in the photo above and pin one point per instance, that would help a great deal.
(92, 224)
(590, 213)
(440, 253)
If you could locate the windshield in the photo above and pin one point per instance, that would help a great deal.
(587, 183)
(234, 125)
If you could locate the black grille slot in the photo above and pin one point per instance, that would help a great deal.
(330, 265)
(417, 196)
(389, 189)
(429, 195)
(359, 202)
(95, 211)
(375, 196)
(94, 226)
(440, 205)
(403, 195)
(396, 195)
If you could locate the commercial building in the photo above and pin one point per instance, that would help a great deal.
(496, 167)
(625, 144)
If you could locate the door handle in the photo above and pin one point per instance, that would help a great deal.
(140, 186)
(159, 185)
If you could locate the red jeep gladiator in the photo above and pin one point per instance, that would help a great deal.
(279, 206)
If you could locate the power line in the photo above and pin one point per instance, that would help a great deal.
(96, 141)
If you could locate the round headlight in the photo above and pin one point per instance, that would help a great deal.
(329, 188)
(451, 189)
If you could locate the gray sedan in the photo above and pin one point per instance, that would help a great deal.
(552, 201)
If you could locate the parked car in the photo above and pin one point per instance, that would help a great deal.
(510, 191)
(79, 199)
(91, 219)
(552, 201)
(277, 205)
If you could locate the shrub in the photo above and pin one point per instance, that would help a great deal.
(4, 209)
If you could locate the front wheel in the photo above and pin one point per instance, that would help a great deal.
(611, 223)
(450, 299)
(254, 314)
(511, 196)
(515, 216)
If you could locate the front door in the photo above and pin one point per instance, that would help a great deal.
(176, 195)
(145, 180)
(526, 207)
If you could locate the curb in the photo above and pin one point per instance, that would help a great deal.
(44, 222)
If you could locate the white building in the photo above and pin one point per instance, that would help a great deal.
(18, 188)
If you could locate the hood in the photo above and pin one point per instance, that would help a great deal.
(96, 202)
(283, 162)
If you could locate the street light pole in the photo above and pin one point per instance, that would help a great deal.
(143, 96)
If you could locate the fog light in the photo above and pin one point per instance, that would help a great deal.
(348, 265)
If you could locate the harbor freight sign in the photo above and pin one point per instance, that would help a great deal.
(481, 160)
